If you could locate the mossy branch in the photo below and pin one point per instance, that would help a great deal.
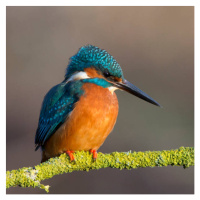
(31, 177)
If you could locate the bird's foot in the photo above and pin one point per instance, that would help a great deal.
(71, 156)
(94, 152)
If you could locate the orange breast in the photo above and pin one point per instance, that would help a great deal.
(88, 125)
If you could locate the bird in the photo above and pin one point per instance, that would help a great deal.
(79, 113)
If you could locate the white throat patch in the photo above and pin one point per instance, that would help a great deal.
(112, 89)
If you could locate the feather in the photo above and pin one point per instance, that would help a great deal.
(57, 105)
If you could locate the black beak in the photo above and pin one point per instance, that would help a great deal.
(129, 87)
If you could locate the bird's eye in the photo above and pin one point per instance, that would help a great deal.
(106, 73)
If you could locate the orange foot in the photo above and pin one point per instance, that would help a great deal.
(94, 152)
(70, 154)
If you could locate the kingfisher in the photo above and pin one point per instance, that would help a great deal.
(80, 112)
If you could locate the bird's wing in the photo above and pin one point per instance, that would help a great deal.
(57, 105)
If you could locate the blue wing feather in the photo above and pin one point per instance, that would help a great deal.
(57, 105)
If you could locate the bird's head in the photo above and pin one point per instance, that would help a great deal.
(97, 65)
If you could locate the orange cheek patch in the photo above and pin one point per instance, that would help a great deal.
(92, 72)
(118, 79)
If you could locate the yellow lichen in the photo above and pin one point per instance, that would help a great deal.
(31, 177)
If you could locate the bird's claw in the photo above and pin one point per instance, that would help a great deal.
(94, 152)
(71, 156)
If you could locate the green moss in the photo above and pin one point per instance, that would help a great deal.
(31, 177)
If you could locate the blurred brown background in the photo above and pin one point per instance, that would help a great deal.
(155, 48)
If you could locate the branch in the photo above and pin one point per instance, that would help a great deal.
(31, 177)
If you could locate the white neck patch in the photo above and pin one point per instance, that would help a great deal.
(78, 76)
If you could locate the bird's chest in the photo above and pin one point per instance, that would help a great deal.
(92, 119)
(97, 107)
(88, 125)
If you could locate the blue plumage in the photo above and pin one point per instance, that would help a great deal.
(57, 105)
(98, 81)
(88, 56)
